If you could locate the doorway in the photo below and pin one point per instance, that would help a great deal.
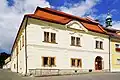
(98, 63)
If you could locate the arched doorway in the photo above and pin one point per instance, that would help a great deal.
(98, 63)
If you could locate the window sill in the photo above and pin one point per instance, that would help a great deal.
(76, 45)
(50, 42)
(76, 66)
(99, 48)
(117, 64)
(49, 66)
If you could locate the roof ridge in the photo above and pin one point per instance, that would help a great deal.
(64, 14)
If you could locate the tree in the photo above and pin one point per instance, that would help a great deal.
(3, 57)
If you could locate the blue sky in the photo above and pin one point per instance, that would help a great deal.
(12, 12)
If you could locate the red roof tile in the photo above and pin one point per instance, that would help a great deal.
(92, 27)
(55, 16)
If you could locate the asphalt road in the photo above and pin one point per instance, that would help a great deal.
(8, 75)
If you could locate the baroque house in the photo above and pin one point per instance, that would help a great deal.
(51, 42)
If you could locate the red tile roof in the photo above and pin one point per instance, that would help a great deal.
(55, 16)
(92, 27)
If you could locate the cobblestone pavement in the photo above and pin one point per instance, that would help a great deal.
(8, 75)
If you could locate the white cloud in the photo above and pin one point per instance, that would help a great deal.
(82, 8)
(10, 18)
(116, 25)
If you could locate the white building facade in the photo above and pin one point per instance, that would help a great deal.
(47, 48)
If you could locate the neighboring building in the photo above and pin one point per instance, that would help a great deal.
(114, 46)
(114, 49)
(7, 63)
(52, 42)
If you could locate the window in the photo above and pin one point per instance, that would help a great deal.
(53, 37)
(52, 61)
(99, 45)
(75, 41)
(46, 36)
(16, 49)
(48, 61)
(73, 62)
(22, 41)
(117, 45)
(20, 44)
(79, 64)
(45, 61)
(49, 37)
(14, 66)
(76, 62)
(118, 61)
(72, 40)
(78, 41)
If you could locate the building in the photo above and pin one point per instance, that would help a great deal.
(114, 49)
(51, 42)
(114, 39)
(7, 63)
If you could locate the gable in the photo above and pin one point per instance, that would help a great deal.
(76, 25)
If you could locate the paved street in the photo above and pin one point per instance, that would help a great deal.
(7, 75)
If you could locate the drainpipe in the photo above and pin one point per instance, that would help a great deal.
(26, 46)
(109, 54)
(17, 62)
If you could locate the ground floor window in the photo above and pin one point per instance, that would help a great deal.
(76, 62)
(48, 61)
(118, 61)
(14, 66)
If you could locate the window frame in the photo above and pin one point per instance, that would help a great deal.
(75, 41)
(98, 44)
(49, 37)
(22, 40)
(76, 64)
(49, 63)
(73, 65)
(118, 62)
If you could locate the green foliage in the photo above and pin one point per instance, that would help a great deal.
(3, 56)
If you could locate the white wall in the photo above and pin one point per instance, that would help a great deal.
(36, 48)
(21, 56)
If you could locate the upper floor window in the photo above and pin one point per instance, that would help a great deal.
(20, 44)
(22, 41)
(99, 45)
(16, 49)
(118, 61)
(48, 61)
(75, 41)
(76, 62)
(117, 45)
(49, 37)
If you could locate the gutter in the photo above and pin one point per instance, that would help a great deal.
(17, 62)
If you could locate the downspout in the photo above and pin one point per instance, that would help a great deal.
(109, 54)
(17, 62)
(26, 46)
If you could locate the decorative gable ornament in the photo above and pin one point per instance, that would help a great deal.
(76, 25)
